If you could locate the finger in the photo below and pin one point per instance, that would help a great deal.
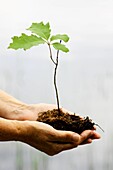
(66, 137)
(87, 141)
(89, 134)
(95, 135)
(63, 141)
(85, 135)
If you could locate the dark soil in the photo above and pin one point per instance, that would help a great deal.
(66, 121)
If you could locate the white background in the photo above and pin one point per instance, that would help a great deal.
(85, 76)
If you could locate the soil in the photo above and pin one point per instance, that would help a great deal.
(66, 121)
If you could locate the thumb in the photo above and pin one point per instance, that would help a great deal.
(67, 137)
(85, 135)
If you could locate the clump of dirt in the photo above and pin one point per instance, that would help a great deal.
(66, 121)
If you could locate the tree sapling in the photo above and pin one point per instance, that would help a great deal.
(41, 34)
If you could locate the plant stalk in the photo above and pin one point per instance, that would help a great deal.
(55, 75)
(51, 54)
(55, 84)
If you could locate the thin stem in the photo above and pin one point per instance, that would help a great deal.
(55, 74)
(51, 54)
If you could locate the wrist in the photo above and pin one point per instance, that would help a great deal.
(18, 111)
(12, 130)
(21, 112)
(21, 132)
(13, 109)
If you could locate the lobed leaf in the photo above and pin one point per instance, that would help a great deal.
(25, 42)
(61, 47)
(63, 37)
(41, 30)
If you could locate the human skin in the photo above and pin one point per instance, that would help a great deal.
(18, 123)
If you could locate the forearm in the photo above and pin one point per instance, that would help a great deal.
(11, 108)
(12, 130)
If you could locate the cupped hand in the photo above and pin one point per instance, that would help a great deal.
(30, 112)
(51, 141)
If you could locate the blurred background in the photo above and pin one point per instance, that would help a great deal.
(85, 76)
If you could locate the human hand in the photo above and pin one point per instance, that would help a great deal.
(36, 108)
(13, 109)
(42, 136)
(31, 111)
(24, 111)
(39, 135)
(51, 141)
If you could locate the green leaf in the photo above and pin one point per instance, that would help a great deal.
(63, 37)
(41, 30)
(60, 47)
(25, 42)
